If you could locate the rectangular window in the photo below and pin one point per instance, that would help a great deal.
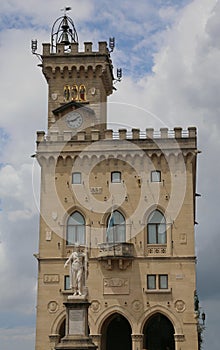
(155, 176)
(151, 281)
(116, 177)
(66, 282)
(157, 282)
(163, 281)
(76, 178)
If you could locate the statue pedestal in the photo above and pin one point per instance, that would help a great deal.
(77, 334)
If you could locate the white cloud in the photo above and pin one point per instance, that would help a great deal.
(16, 191)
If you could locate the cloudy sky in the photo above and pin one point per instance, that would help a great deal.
(169, 51)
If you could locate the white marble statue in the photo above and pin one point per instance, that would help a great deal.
(77, 262)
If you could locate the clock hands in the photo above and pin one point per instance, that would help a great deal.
(72, 120)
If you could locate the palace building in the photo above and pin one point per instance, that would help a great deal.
(124, 199)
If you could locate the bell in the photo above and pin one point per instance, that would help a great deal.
(65, 39)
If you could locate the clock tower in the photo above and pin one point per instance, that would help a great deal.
(117, 215)
(78, 81)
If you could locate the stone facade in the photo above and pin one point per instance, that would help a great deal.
(142, 268)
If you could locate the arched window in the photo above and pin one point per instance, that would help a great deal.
(156, 228)
(76, 229)
(116, 229)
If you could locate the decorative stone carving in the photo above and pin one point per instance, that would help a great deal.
(180, 306)
(179, 337)
(48, 234)
(157, 251)
(137, 337)
(52, 306)
(95, 305)
(54, 215)
(122, 264)
(51, 278)
(137, 305)
(54, 96)
(116, 285)
(54, 338)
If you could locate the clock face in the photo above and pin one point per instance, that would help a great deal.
(74, 120)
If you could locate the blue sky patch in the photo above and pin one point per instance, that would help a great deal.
(4, 137)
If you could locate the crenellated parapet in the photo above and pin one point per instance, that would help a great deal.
(148, 134)
(126, 144)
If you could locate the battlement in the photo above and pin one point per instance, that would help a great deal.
(74, 49)
(122, 134)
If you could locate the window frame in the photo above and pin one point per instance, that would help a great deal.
(115, 230)
(154, 236)
(75, 173)
(157, 174)
(160, 282)
(67, 282)
(75, 228)
(117, 180)
(154, 277)
(157, 283)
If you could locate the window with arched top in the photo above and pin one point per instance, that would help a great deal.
(156, 228)
(75, 229)
(116, 228)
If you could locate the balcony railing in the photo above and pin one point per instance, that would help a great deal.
(116, 250)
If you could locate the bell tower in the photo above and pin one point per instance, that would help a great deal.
(76, 79)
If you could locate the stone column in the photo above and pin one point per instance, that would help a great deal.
(96, 338)
(54, 339)
(179, 339)
(137, 341)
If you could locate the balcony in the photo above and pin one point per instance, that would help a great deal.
(116, 253)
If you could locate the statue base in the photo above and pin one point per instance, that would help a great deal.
(73, 343)
(77, 336)
(77, 297)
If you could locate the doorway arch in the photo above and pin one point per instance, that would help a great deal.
(62, 329)
(116, 333)
(159, 333)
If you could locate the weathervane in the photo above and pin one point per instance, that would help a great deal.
(65, 9)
